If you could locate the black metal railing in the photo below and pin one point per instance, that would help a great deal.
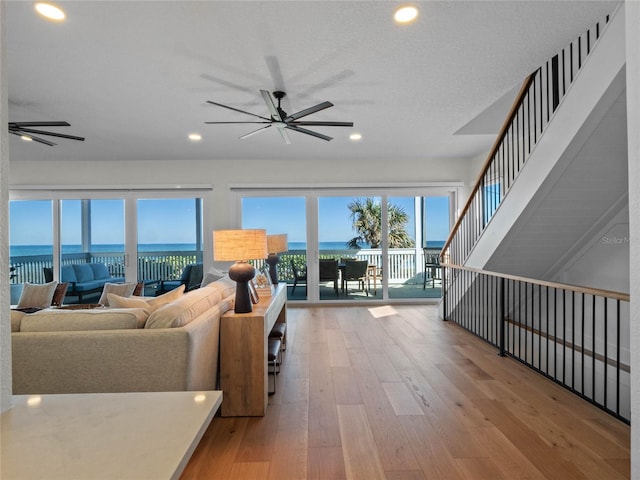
(578, 337)
(539, 97)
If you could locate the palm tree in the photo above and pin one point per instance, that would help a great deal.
(366, 215)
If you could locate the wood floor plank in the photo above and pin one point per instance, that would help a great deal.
(433, 456)
(509, 459)
(361, 458)
(397, 357)
(385, 371)
(401, 399)
(545, 458)
(405, 475)
(288, 462)
(481, 468)
(214, 456)
(338, 356)
(354, 376)
(249, 471)
(257, 443)
(442, 417)
(326, 463)
(323, 418)
(393, 445)
(345, 386)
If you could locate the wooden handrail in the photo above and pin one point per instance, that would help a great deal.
(487, 163)
(624, 297)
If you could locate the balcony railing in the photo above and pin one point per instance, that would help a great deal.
(578, 337)
(403, 264)
(152, 266)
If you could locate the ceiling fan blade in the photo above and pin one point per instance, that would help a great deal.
(51, 134)
(261, 129)
(285, 135)
(270, 105)
(39, 124)
(35, 139)
(323, 124)
(308, 111)
(237, 110)
(309, 132)
(231, 123)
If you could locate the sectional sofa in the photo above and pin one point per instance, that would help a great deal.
(165, 343)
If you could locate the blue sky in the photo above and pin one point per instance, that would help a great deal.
(277, 215)
(107, 222)
(287, 215)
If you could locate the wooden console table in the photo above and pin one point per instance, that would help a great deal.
(243, 355)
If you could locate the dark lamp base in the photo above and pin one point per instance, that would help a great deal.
(241, 273)
(272, 260)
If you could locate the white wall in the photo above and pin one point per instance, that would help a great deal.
(5, 328)
(604, 261)
(633, 140)
(223, 174)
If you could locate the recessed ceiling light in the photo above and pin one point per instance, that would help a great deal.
(50, 11)
(405, 14)
(26, 139)
(355, 137)
(195, 137)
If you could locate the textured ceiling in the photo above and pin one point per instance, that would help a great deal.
(134, 77)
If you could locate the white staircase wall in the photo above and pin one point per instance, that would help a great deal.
(575, 180)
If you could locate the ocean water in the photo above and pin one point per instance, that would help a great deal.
(25, 250)
(31, 250)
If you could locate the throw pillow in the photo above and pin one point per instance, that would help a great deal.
(122, 289)
(117, 301)
(165, 298)
(37, 295)
(211, 276)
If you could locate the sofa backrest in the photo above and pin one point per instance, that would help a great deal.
(52, 320)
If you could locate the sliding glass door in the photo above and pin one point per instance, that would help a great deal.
(282, 215)
(92, 231)
(169, 237)
(30, 243)
(48, 235)
(365, 246)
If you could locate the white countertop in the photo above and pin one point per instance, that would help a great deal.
(103, 435)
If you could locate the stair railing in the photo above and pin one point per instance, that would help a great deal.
(576, 336)
(532, 110)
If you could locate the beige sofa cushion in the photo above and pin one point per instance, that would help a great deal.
(148, 303)
(182, 311)
(52, 320)
(117, 301)
(37, 295)
(225, 286)
(16, 319)
(122, 289)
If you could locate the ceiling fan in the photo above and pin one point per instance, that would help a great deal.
(24, 130)
(284, 122)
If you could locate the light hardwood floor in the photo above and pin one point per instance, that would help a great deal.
(395, 393)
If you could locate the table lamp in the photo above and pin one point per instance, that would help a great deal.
(275, 244)
(240, 245)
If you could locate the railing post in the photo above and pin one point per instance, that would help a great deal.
(501, 316)
(443, 273)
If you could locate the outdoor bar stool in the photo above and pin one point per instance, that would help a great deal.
(279, 331)
(273, 352)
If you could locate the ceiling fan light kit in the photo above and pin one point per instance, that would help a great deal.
(281, 120)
